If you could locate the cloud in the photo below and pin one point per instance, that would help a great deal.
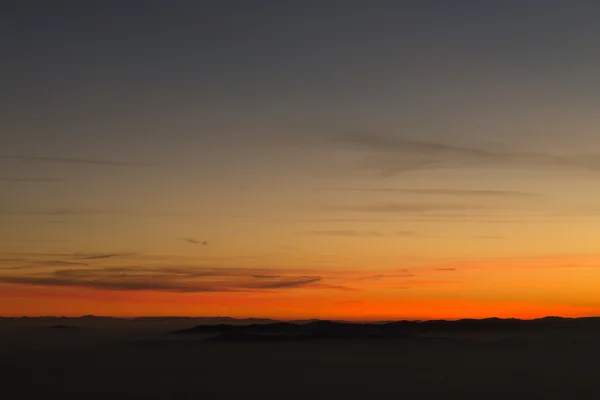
(375, 277)
(170, 279)
(286, 282)
(74, 161)
(52, 257)
(344, 233)
(59, 263)
(97, 256)
(441, 192)
(358, 234)
(344, 220)
(73, 212)
(407, 207)
(25, 264)
(335, 287)
(521, 263)
(488, 215)
(60, 212)
(153, 273)
(484, 237)
(195, 241)
(30, 180)
(397, 155)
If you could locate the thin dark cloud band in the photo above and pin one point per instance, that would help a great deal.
(77, 161)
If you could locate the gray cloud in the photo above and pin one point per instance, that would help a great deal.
(337, 287)
(171, 279)
(27, 265)
(398, 274)
(59, 263)
(51, 257)
(344, 233)
(344, 220)
(286, 282)
(372, 142)
(76, 161)
(408, 207)
(70, 211)
(8, 260)
(97, 256)
(491, 218)
(445, 269)
(195, 241)
(30, 180)
(397, 155)
(73, 212)
(61, 212)
(358, 234)
(441, 192)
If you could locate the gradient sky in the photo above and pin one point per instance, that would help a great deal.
(342, 159)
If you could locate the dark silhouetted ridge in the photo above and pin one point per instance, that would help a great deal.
(64, 327)
(395, 329)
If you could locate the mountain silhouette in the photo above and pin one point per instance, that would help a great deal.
(397, 329)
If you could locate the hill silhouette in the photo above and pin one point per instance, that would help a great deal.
(324, 329)
(162, 358)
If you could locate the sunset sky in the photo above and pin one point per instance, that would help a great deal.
(300, 159)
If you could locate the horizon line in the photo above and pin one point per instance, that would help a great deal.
(290, 319)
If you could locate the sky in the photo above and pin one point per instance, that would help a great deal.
(302, 159)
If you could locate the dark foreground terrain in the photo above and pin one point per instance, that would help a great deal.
(67, 361)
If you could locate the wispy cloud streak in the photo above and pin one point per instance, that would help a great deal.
(30, 180)
(344, 233)
(166, 279)
(397, 155)
(76, 161)
(440, 192)
(358, 234)
(407, 207)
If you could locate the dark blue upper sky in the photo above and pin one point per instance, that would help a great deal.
(328, 62)
(173, 106)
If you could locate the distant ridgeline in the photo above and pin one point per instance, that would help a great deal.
(396, 329)
(226, 328)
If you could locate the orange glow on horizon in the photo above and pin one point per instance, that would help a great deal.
(20, 300)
